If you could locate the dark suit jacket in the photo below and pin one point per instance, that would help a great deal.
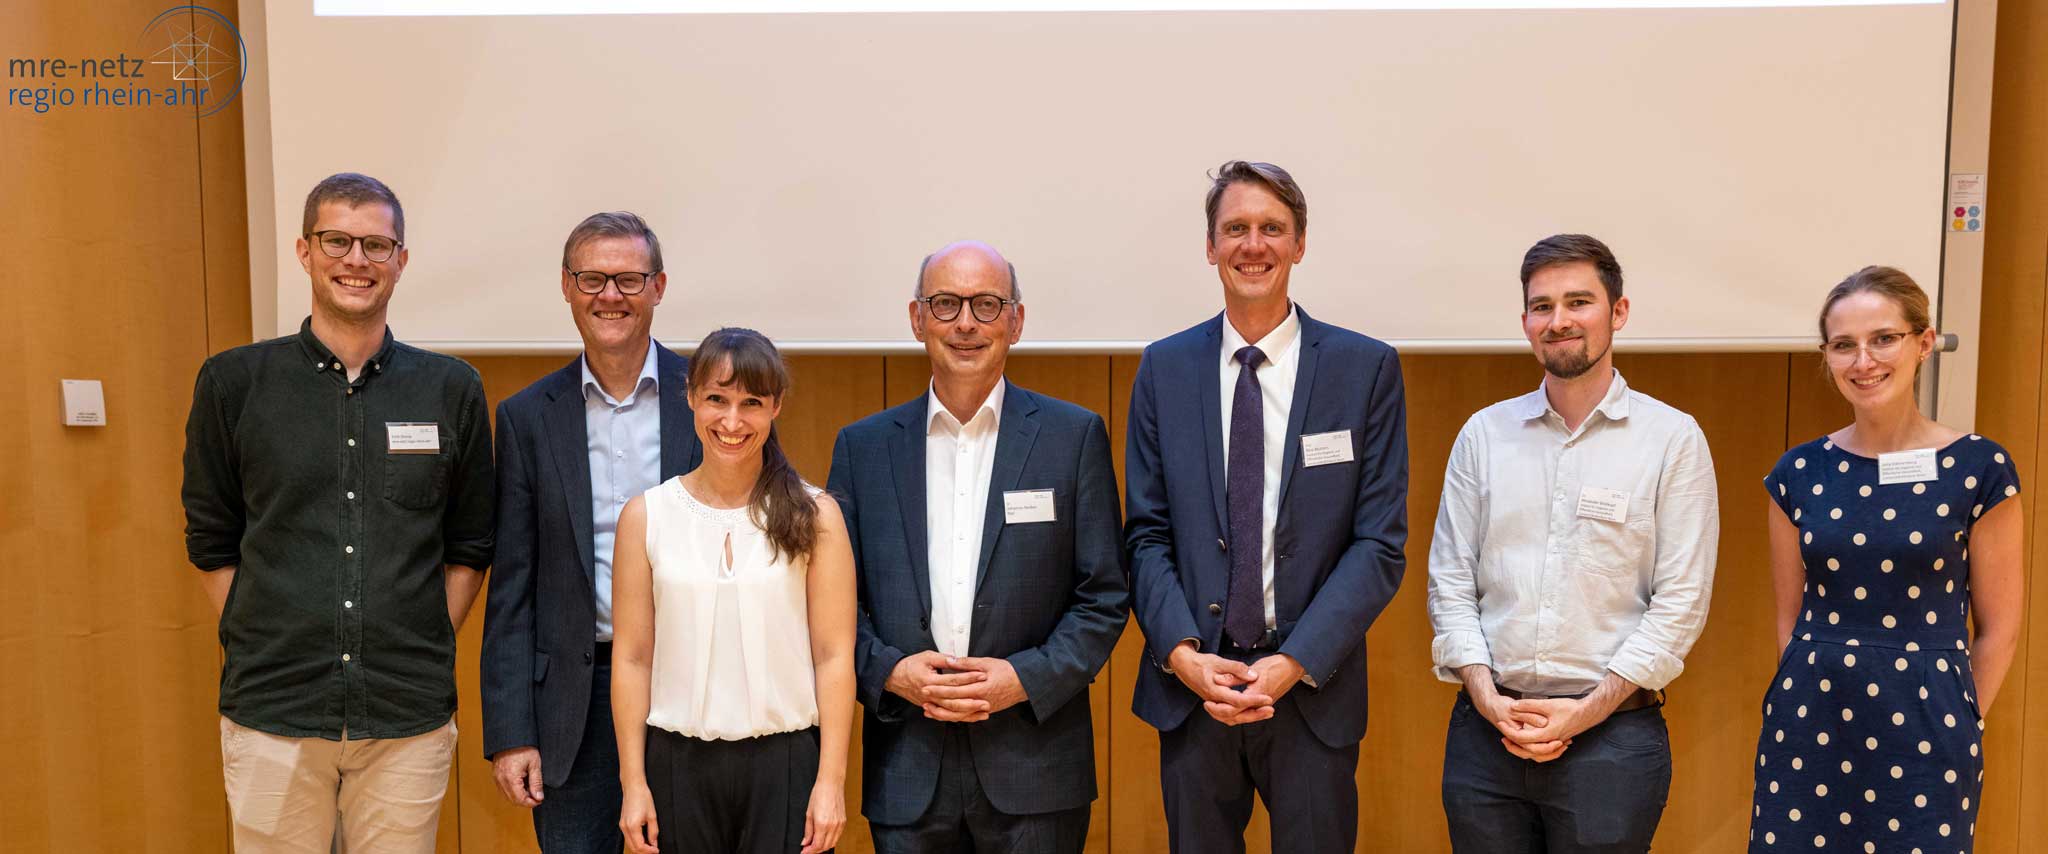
(1337, 539)
(1050, 598)
(540, 617)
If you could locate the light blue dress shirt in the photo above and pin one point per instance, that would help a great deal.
(625, 460)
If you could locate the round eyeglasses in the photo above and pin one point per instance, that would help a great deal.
(337, 244)
(946, 307)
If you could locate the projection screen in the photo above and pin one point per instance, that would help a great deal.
(1740, 159)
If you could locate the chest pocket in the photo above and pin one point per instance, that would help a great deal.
(416, 481)
(1615, 549)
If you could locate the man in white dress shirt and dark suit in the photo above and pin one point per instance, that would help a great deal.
(984, 525)
(1570, 573)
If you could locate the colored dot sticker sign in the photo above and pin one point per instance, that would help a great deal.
(1974, 225)
(1976, 211)
(1960, 211)
(1957, 225)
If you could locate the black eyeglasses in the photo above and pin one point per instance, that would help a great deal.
(337, 244)
(592, 282)
(946, 307)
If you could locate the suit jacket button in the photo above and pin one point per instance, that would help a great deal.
(1215, 607)
(1221, 545)
(586, 658)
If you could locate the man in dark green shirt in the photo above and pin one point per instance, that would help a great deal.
(339, 494)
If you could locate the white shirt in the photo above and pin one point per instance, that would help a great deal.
(1521, 578)
(1282, 347)
(624, 443)
(732, 642)
(958, 461)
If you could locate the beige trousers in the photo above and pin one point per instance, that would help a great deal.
(294, 794)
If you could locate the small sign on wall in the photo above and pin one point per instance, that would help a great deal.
(1966, 201)
(85, 403)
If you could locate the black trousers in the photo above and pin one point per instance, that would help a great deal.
(1603, 796)
(961, 820)
(729, 797)
(1209, 773)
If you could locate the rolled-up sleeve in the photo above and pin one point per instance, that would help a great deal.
(1454, 560)
(1688, 534)
(212, 490)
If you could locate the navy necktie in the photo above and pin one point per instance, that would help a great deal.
(1244, 617)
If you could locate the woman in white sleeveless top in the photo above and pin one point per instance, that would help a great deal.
(732, 626)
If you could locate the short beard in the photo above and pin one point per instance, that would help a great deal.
(1571, 366)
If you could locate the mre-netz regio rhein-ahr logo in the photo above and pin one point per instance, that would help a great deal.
(188, 58)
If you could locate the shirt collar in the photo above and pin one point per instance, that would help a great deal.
(323, 359)
(649, 378)
(1614, 405)
(1275, 343)
(992, 407)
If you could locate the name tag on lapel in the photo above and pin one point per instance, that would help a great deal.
(1321, 449)
(407, 437)
(1022, 506)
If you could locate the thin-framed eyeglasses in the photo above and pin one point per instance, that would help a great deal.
(337, 244)
(986, 307)
(1882, 346)
(592, 281)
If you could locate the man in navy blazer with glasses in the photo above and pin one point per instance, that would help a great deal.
(984, 525)
(1266, 501)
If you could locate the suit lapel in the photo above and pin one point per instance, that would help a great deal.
(1297, 410)
(906, 458)
(679, 449)
(1014, 437)
(567, 438)
(1211, 414)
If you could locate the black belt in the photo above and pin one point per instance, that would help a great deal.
(604, 651)
(1641, 698)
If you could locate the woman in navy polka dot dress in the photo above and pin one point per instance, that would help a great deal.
(1885, 536)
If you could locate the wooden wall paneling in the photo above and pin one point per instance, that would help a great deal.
(107, 696)
(2013, 410)
(1137, 816)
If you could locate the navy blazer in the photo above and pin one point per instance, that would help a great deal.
(1337, 539)
(1050, 597)
(542, 602)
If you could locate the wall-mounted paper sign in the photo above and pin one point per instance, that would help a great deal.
(1966, 201)
(85, 404)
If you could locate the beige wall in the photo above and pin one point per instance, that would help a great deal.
(125, 235)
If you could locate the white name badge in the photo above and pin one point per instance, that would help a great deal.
(1021, 506)
(1608, 504)
(1321, 449)
(1907, 466)
(411, 437)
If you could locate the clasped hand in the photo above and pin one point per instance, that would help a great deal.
(956, 689)
(1233, 692)
(1539, 730)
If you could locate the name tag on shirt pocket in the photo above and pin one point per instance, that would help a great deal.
(412, 437)
(1608, 504)
(1022, 506)
(1321, 449)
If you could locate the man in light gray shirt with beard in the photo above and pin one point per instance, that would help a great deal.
(1569, 575)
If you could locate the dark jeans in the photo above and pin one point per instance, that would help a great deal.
(961, 820)
(580, 815)
(1603, 796)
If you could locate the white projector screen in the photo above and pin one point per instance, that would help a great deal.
(797, 166)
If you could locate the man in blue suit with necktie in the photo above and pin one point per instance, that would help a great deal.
(1266, 496)
(573, 448)
(984, 526)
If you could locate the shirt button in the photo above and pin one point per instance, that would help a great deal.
(344, 656)
(346, 603)
(351, 443)
(337, 366)
(348, 549)
(351, 391)
(351, 496)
